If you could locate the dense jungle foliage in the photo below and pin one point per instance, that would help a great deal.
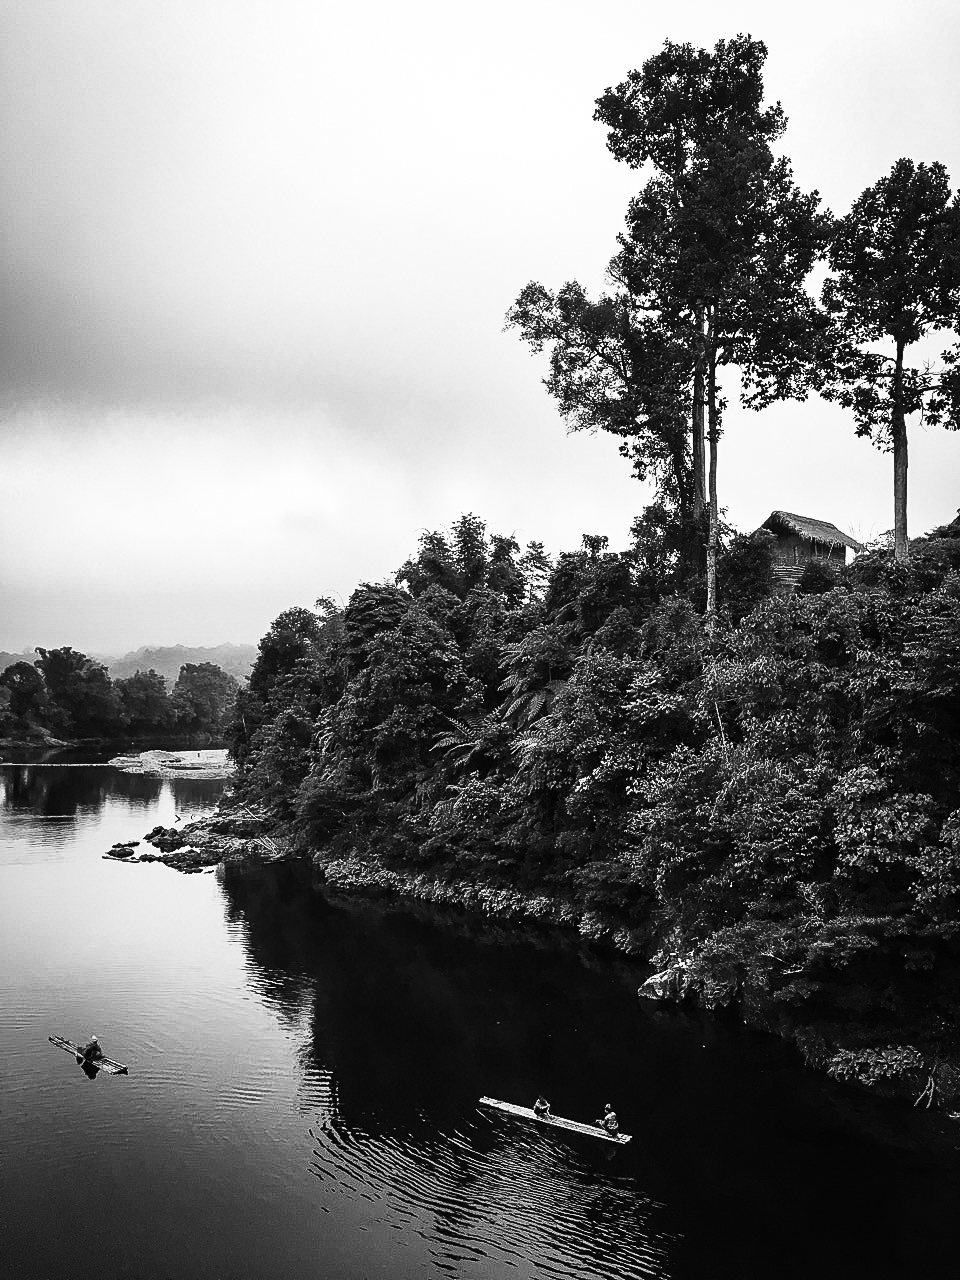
(769, 808)
(65, 694)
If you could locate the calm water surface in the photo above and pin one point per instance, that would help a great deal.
(304, 1075)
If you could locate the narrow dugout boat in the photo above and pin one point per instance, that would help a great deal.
(102, 1064)
(556, 1122)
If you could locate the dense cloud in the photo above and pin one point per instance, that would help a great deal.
(278, 240)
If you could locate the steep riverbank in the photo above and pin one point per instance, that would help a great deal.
(841, 1035)
(845, 1040)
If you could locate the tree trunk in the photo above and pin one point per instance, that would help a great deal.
(699, 517)
(699, 466)
(898, 430)
(713, 521)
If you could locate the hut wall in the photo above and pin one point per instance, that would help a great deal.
(790, 550)
(791, 554)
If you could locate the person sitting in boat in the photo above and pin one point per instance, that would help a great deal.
(541, 1107)
(91, 1051)
(609, 1120)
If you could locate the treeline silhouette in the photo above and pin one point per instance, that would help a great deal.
(67, 695)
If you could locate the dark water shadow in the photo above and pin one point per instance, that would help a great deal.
(63, 793)
(733, 1139)
(49, 791)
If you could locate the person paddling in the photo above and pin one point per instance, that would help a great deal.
(609, 1121)
(91, 1051)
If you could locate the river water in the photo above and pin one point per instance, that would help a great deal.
(304, 1076)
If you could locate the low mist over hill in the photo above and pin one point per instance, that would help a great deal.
(8, 659)
(235, 659)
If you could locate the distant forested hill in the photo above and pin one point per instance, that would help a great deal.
(8, 659)
(235, 659)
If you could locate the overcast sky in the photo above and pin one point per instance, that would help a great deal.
(255, 259)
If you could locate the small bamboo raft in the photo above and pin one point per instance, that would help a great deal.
(102, 1064)
(556, 1122)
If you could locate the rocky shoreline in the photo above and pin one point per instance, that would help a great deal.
(905, 1073)
(234, 837)
(205, 843)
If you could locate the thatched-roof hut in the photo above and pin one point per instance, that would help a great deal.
(800, 539)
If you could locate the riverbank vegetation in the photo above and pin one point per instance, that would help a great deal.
(768, 809)
(757, 791)
(65, 695)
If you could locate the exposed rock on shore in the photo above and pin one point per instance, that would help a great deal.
(122, 849)
(205, 843)
(209, 763)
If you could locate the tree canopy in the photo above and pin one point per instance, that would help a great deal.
(68, 695)
(710, 271)
(896, 263)
(768, 811)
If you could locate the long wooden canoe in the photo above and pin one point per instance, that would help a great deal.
(102, 1064)
(556, 1122)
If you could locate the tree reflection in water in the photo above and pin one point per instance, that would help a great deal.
(52, 792)
(404, 1022)
(49, 791)
(405, 1025)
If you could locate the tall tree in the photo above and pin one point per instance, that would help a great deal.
(679, 102)
(203, 698)
(614, 368)
(84, 701)
(28, 693)
(720, 241)
(710, 272)
(145, 704)
(725, 268)
(896, 259)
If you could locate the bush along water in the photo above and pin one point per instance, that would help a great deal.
(767, 808)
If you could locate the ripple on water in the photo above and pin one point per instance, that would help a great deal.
(503, 1203)
(25, 844)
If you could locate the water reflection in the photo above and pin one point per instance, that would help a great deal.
(43, 791)
(400, 1040)
(305, 1085)
(49, 810)
(403, 1025)
(194, 795)
(52, 792)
